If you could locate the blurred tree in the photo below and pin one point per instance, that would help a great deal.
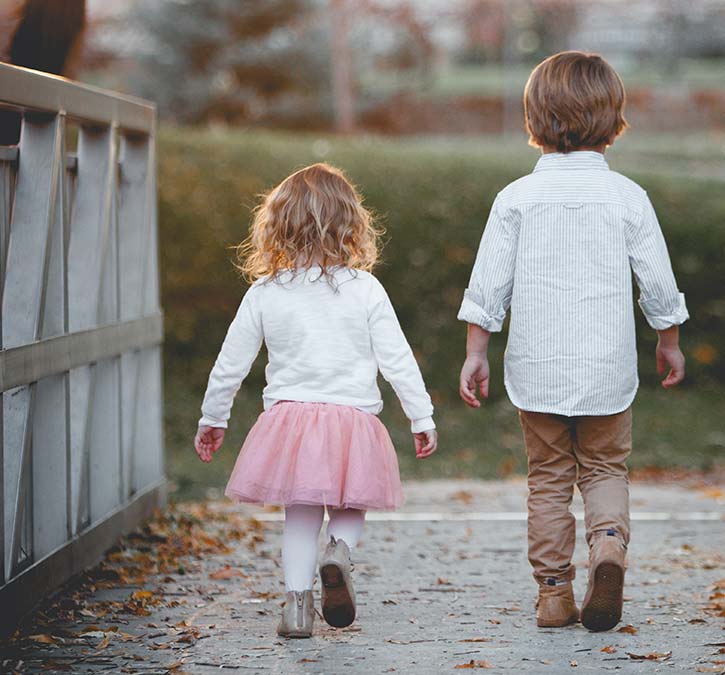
(231, 60)
(46, 37)
(341, 61)
(482, 21)
(516, 30)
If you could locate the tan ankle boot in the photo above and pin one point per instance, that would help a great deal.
(602, 607)
(298, 615)
(555, 606)
(338, 594)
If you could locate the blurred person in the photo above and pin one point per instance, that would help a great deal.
(329, 327)
(47, 37)
(558, 249)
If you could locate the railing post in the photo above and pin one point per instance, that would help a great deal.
(91, 301)
(50, 423)
(8, 163)
(133, 250)
(29, 263)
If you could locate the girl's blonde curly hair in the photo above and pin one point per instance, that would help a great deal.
(313, 217)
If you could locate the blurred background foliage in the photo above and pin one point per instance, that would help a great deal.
(228, 60)
(420, 102)
(433, 197)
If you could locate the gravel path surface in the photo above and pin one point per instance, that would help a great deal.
(443, 585)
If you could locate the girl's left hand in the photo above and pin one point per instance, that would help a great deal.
(207, 441)
(426, 443)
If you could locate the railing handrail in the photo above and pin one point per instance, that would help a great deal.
(31, 362)
(33, 90)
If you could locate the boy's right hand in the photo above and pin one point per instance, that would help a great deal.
(668, 354)
(474, 375)
(207, 441)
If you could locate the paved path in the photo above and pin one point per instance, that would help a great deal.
(443, 585)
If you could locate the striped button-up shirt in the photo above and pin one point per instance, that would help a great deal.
(559, 248)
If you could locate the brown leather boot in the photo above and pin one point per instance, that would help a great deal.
(602, 607)
(338, 594)
(555, 606)
(298, 615)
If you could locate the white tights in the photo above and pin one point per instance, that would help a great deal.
(299, 542)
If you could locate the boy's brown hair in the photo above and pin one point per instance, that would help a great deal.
(574, 100)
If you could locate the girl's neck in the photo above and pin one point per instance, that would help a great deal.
(316, 261)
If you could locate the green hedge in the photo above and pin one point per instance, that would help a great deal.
(433, 198)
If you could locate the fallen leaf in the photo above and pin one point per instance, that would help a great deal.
(141, 595)
(226, 572)
(476, 639)
(652, 656)
(475, 664)
(103, 643)
(443, 582)
(463, 496)
(629, 628)
(495, 622)
(573, 664)
(55, 667)
(609, 649)
(44, 639)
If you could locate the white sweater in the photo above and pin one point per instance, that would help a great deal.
(325, 344)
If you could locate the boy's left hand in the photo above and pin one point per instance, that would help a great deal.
(207, 441)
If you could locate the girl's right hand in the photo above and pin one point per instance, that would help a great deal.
(426, 443)
(207, 441)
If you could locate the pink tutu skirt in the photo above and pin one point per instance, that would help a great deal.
(317, 453)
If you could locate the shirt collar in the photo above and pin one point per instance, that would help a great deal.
(579, 160)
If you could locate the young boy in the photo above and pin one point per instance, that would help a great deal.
(558, 248)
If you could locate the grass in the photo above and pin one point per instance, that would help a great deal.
(493, 79)
(433, 196)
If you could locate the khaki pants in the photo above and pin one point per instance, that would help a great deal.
(589, 451)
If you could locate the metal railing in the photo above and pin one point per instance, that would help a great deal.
(80, 327)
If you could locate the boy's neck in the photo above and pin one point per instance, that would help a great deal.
(549, 149)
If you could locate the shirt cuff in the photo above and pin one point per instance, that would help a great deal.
(210, 422)
(423, 424)
(660, 317)
(472, 312)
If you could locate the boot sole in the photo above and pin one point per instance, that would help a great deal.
(603, 610)
(295, 635)
(557, 624)
(337, 607)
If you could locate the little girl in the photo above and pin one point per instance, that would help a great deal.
(328, 326)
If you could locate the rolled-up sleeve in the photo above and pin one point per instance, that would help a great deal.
(488, 296)
(660, 300)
